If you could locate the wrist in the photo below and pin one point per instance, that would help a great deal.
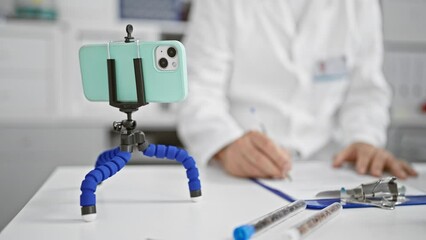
(219, 156)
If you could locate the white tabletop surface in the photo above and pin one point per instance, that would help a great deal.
(152, 202)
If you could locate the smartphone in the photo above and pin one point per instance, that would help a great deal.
(163, 63)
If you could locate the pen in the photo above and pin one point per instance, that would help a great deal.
(307, 226)
(259, 123)
(263, 130)
(245, 232)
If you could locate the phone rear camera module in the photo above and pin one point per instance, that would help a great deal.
(171, 51)
(167, 58)
(163, 62)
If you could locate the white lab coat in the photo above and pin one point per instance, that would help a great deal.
(310, 81)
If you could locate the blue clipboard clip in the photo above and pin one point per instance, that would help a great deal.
(364, 191)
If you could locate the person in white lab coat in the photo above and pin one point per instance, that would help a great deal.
(275, 77)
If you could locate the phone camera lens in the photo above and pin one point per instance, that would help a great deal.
(171, 51)
(163, 62)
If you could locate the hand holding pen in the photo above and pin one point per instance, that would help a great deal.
(255, 155)
(293, 154)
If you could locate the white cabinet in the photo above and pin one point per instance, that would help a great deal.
(30, 70)
(408, 140)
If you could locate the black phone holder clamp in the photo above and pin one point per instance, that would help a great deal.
(111, 161)
(129, 136)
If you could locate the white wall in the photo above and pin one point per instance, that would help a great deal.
(403, 20)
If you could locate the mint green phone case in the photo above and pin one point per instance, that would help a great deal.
(163, 86)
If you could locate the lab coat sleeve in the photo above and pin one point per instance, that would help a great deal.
(204, 122)
(364, 115)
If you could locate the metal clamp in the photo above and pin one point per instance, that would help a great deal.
(384, 193)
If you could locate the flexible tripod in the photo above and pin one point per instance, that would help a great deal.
(113, 160)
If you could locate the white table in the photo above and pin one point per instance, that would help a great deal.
(152, 202)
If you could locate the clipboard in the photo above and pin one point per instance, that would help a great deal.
(311, 177)
(317, 204)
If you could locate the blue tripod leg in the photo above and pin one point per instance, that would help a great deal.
(107, 164)
(180, 155)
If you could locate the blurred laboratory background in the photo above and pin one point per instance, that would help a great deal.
(45, 121)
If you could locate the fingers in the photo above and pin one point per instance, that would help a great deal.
(395, 168)
(265, 145)
(287, 164)
(247, 169)
(401, 169)
(378, 163)
(243, 158)
(372, 160)
(363, 161)
(262, 163)
(383, 160)
(268, 159)
(408, 169)
(234, 163)
(343, 156)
